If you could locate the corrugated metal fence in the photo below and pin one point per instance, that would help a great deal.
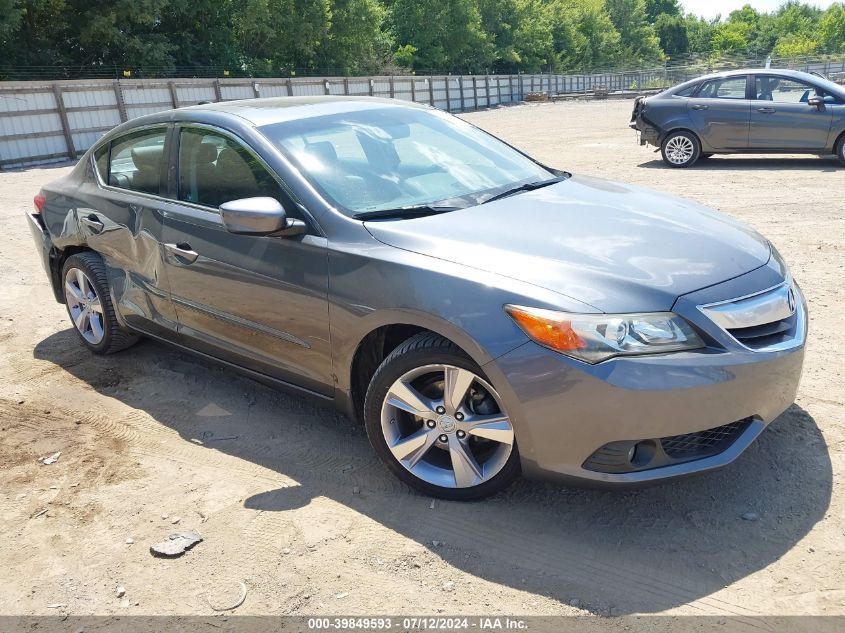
(43, 122)
(48, 121)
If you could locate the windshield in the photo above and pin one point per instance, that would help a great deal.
(391, 157)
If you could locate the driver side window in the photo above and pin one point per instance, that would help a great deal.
(782, 90)
(214, 169)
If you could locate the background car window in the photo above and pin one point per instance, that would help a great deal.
(686, 92)
(731, 88)
(783, 90)
(214, 169)
(136, 161)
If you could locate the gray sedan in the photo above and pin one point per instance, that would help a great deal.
(745, 111)
(482, 313)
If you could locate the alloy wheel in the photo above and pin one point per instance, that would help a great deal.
(679, 150)
(85, 307)
(447, 426)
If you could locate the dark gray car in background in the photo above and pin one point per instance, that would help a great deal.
(484, 314)
(744, 111)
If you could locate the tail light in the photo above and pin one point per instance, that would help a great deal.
(39, 202)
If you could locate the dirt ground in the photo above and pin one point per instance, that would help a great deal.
(291, 501)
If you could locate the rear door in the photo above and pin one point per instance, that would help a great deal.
(782, 119)
(121, 219)
(721, 113)
(258, 302)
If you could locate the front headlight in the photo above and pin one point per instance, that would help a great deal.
(597, 337)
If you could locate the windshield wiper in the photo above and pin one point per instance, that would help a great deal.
(530, 186)
(416, 211)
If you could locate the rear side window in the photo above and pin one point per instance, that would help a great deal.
(136, 160)
(214, 169)
(731, 88)
(686, 92)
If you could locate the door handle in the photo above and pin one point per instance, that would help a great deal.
(93, 223)
(766, 110)
(700, 107)
(182, 251)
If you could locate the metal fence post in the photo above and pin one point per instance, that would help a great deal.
(118, 95)
(461, 86)
(448, 96)
(289, 84)
(474, 92)
(346, 86)
(392, 87)
(430, 82)
(218, 93)
(60, 106)
(413, 89)
(174, 98)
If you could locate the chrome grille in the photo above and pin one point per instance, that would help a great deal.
(764, 321)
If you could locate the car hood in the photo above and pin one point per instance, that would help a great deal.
(619, 248)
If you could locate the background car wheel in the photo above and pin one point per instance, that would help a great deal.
(89, 305)
(840, 149)
(680, 149)
(438, 424)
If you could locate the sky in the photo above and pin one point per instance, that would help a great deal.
(711, 8)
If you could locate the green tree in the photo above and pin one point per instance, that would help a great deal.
(638, 40)
(355, 42)
(500, 20)
(584, 35)
(672, 31)
(446, 33)
(655, 8)
(534, 39)
(832, 28)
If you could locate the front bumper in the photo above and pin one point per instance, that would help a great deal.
(565, 410)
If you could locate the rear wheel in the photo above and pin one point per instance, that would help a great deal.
(680, 149)
(438, 424)
(89, 305)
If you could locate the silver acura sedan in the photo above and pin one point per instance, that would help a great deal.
(484, 314)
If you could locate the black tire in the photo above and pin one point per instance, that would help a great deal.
(115, 338)
(684, 138)
(704, 156)
(426, 349)
(840, 149)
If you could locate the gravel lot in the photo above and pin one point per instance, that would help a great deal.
(291, 501)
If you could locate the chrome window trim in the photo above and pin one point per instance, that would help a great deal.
(178, 125)
(95, 148)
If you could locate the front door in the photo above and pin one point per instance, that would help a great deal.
(259, 302)
(782, 119)
(720, 113)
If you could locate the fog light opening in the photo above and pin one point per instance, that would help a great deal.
(642, 453)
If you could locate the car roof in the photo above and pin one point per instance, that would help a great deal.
(797, 74)
(270, 110)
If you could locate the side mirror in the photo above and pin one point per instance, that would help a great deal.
(259, 216)
(816, 101)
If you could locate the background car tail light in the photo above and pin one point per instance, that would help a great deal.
(39, 202)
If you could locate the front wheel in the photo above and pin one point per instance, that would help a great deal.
(680, 149)
(438, 424)
(840, 149)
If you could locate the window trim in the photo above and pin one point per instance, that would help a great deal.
(173, 182)
(812, 86)
(165, 163)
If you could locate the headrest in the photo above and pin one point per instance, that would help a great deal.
(207, 152)
(323, 150)
(147, 157)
